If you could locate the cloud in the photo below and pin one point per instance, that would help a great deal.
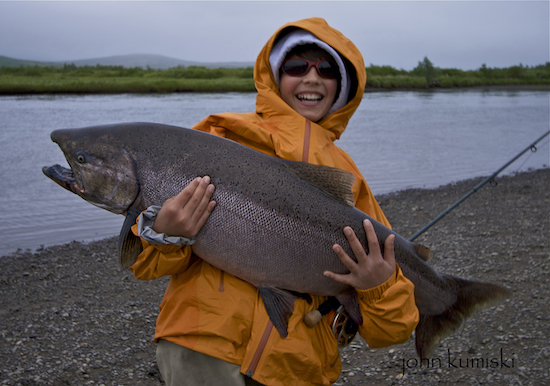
(397, 33)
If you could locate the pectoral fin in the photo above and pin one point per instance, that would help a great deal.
(129, 245)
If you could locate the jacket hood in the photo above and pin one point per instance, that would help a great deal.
(298, 37)
(269, 101)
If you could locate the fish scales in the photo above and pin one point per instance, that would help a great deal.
(256, 212)
(271, 242)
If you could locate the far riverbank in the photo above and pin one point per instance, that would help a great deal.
(33, 86)
(71, 79)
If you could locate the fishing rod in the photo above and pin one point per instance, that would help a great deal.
(531, 147)
(343, 327)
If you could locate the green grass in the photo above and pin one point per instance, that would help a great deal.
(111, 85)
(398, 81)
(425, 75)
(117, 79)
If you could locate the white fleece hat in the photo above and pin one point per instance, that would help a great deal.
(299, 37)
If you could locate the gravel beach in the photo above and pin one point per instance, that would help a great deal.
(70, 316)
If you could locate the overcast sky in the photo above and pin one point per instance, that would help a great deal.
(452, 34)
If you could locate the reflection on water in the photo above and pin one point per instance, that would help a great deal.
(398, 140)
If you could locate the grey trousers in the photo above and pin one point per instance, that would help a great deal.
(181, 366)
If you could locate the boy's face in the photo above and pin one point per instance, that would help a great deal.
(309, 95)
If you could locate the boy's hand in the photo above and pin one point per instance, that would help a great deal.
(185, 214)
(370, 270)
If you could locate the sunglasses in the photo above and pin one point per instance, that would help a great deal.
(300, 67)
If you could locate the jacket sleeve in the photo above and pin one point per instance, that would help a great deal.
(160, 260)
(389, 311)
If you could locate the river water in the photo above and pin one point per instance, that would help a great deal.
(399, 140)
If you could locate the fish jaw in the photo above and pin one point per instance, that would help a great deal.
(100, 172)
(63, 177)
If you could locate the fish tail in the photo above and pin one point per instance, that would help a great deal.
(472, 297)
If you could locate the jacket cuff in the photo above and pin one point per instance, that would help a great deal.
(373, 294)
(145, 230)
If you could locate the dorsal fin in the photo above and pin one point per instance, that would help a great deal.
(335, 183)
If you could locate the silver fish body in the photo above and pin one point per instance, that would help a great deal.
(274, 223)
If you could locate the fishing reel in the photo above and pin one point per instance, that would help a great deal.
(342, 326)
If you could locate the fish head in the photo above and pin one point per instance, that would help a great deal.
(100, 171)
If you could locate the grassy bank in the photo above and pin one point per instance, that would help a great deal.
(426, 75)
(102, 85)
(117, 79)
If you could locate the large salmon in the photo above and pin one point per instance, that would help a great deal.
(274, 223)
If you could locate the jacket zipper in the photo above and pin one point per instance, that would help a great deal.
(222, 281)
(307, 134)
(260, 349)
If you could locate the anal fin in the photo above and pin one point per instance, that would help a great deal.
(279, 305)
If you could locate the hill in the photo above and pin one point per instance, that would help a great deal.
(11, 62)
(128, 61)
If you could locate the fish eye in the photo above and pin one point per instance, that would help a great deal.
(81, 158)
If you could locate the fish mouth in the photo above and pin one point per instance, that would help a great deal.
(63, 177)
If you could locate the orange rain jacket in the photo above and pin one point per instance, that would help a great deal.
(215, 313)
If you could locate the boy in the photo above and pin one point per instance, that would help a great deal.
(212, 327)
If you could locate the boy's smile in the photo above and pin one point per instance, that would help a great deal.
(309, 95)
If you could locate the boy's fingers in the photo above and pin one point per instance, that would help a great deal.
(355, 244)
(344, 279)
(389, 251)
(186, 193)
(194, 198)
(201, 197)
(198, 196)
(372, 240)
(185, 213)
(205, 214)
(350, 264)
(206, 206)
